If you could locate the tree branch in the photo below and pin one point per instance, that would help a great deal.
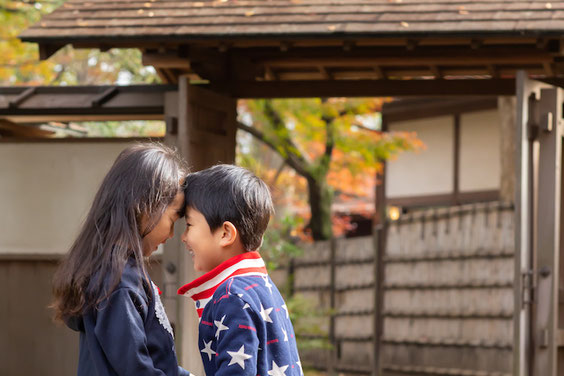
(330, 140)
(365, 128)
(289, 146)
(12, 10)
(330, 137)
(290, 159)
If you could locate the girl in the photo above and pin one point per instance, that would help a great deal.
(102, 288)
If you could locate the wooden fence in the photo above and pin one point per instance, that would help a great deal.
(446, 293)
(30, 343)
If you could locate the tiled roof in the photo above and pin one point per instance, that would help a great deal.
(118, 20)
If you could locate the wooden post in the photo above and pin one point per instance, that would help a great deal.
(507, 112)
(523, 230)
(171, 248)
(379, 229)
(548, 229)
(332, 306)
(538, 209)
(205, 135)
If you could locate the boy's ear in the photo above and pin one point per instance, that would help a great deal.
(228, 234)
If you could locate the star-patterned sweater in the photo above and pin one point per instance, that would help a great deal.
(244, 327)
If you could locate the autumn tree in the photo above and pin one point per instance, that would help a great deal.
(20, 64)
(318, 137)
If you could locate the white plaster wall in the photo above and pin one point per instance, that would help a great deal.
(480, 159)
(426, 172)
(46, 190)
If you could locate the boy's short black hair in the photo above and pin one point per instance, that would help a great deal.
(231, 193)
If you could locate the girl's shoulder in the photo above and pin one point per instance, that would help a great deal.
(133, 278)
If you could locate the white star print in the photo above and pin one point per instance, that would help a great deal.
(265, 313)
(240, 295)
(239, 357)
(300, 365)
(285, 335)
(285, 309)
(277, 371)
(220, 326)
(267, 284)
(246, 306)
(207, 349)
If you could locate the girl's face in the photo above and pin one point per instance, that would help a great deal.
(164, 229)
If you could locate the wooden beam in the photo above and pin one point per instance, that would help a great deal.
(373, 42)
(78, 140)
(419, 108)
(411, 44)
(444, 199)
(542, 43)
(348, 45)
(436, 71)
(476, 43)
(548, 69)
(39, 118)
(325, 73)
(493, 71)
(103, 97)
(170, 77)
(9, 129)
(223, 47)
(22, 97)
(269, 74)
(59, 103)
(366, 88)
(46, 50)
(404, 61)
(138, 42)
(167, 60)
(162, 75)
(380, 74)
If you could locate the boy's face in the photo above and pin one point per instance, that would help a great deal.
(203, 244)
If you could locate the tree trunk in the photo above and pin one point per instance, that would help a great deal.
(320, 199)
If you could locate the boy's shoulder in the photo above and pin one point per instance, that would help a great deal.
(251, 289)
(246, 283)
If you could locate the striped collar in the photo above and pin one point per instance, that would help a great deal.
(202, 289)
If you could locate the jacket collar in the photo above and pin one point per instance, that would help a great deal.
(202, 289)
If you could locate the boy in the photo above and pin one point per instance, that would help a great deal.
(244, 324)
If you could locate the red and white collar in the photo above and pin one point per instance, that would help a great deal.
(202, 289)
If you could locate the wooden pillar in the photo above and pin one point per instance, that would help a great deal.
(546, 301)
(507, 112)
(379, 231)
(201, 124)
(539, 312)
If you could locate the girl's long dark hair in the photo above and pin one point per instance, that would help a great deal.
(143, 181)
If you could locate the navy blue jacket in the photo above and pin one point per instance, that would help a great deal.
(128, 334)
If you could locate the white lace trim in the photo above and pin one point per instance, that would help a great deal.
(160, 312)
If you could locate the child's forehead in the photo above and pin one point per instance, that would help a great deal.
(177, 204)
(192, 212)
